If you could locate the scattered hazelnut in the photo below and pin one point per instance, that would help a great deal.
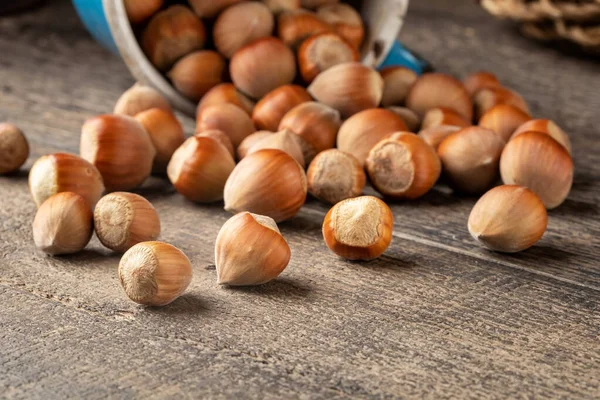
(334, 176)
(120, 148)
(227, 118)
(349, 88)
(470, 158)
(403, 166)
(225, 93)
(198, 72)
(286, 141)
(359, 228)
(210, 8)
(410, 118)
(63, 172)
(123, 220)
(359, 134)
(200, 168)
(397, 82)
(14, 148)
(221, 138)
(63, 224)
(508, 219)
(250, 250)
(345, 20)
(140, 10)
(140, 98)
(320, 52)
(443, 116)
(171, 34)
(295, 26)
(250, 141)
(548, 127)
(278, 6)
(487, 98)
(504, 119)
(166, 134)
(154, 273)
(439, 90)
(268, 182)
(436, 135)
(480, 80)
(269, 111)
(255, 77)
(535, 160)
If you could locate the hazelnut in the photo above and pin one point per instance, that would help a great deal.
(200, 168)
(120, 148)
(334, 176)
(408, 116)
(480, 80)
(225, 93)
(140, 10)
(545, 126)
(345, 20)
(172, 34)
(349, 88)
(359, 134)
(198, 72)
(241, 24)
(255, 77)
(535, 160)
(403, 166)
(286, 141)
(269, 112)
(321, 52)
(278, 6)
(166, 134)
(221, 138)
(250, 250)
(268, 182)
(314, 4)
(227, 118)
(359, 228)
(209, 9)
(123, 220)
(436, 135)
(508, 219)
(434, 90)
(470, 159)
(250, 141)
(504, 120)
(140, 98)
(14, 148)
(487, 98)
(443, 116)
(63, 172)
(397, 82)
(154, 273)
(294, 27)
(63, 224)
(316, 124)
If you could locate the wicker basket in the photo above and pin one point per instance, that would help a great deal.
(575, 21)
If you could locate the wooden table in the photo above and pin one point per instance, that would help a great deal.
(436, 317)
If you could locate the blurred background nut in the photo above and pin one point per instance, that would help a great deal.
(225, 93)
(231, 119)
(480, 80)
(434, 90)
(295, 26)
(271, 109)
(443, 116)
(408, 116)
(140, 98)
(345, 21)
(504, 119)
(487, 98)
(14, 149)
(250, 141)
(321, 52)
(198, 72)
(140, 10)
(286, 141)
(397, 82)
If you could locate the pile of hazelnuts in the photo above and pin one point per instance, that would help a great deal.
(264, 141)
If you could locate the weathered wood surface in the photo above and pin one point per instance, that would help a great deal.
(436, 317)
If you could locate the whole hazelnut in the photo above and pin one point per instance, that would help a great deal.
(295, 26)
(545, 126)
(225, 93)
(221, 137)
(397, 82)
(140, 10)
(270, 110)
(286, 141)
(480, 80)
(434, 90)
(140, 98)
(320, 52)
(436, 135)
(14, 148)
(345, 20)
(443, 116)
(410, 118)
(198, 72)
(231, 119)
(504, 119)
(487, 98)
(250, 141)
(334, 176)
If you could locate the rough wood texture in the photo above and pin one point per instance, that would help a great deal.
(436, 317)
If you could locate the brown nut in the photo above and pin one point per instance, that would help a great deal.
(294, 27)
(14, 149)
(123, 220)
(240, 25)
(221, 138)
(140, 10)
(487, 98)
(172, 34)
(436, 135)
(359, 134)
(359, 228)
(480, 80)
(470, 158)
(434, 90)
(200, 168)
(278, 6)
(225, 93)
(63, 172)
(321, 52)
(198, 72)
(443, 116)
(545, 126)
(140, 98)
(227, 118)
(504, 119)
(63, 224)
(250, 141)
(397, 82)
(349, 88)
(535, 160)
(508, 219)
(403, 166)
(154, 273)
(286, 141)
(346, 22)
(120, 148)
(210, 8)
(316, 124)
(166, 134)
(334, 176)
(314, 4)
(250, 250)
(268, 182)
(269, 112)
(410, 118)
(253, 76)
